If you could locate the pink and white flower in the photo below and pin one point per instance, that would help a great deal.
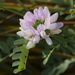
(34, 26)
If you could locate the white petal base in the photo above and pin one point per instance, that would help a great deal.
(53, 26)
(56, 31)
(54, 17)
(27, 33)
(42, 33)
(20, 33)
(30, 45)
(36, 39)
(49, 41)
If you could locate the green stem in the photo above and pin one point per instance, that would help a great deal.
(47, 58)
(22, 5)
(9, 55)
(12, 11)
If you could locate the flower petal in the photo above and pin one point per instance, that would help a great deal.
(54, 17)
(36, 14)
(23, 24)
(59, 25)
(30, 45)
(41, 13)
(47, 23)
(20, 33)
(36, 39)
(46, 12)
(27, 33)
(31, 29)
(53, 26)
(21, 28)
(42, 33)
(40, 28)
(56, 31)
(29, 18)
(48, 41)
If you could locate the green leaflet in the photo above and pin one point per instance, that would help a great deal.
(63, 66)
(60, 68)
(16, 70)
(65, 10)
(21, 54)
(47, 58)
(69, 17)
(16, 49)
(71, 31)
(16, 63)
(10, 41)
(19, 42)
(16, 56)
(72, 3)
(58, 4)
(4, 48)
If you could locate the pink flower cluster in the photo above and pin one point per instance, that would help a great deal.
(34, 26)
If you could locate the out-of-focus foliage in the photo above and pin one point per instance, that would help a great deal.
(56, 59)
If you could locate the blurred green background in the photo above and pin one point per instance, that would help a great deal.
(62, 60)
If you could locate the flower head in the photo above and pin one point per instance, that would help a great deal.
(34, 26)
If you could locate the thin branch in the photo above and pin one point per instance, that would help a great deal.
(6, 32)
(8, 17)
(8, 35)
(56, 53)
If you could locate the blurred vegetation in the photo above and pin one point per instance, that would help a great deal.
(39, 62)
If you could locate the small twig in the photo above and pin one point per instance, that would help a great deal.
(8, 17)
(6, 32)
(9, 55)
(68, 22)
(8, 35)
(64, 55)
(56, 53)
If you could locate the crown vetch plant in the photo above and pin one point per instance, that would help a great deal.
(39, 25)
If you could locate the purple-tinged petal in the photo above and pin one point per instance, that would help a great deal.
(47, 23)
(27, 33)
(29, 17)
(43, 34)
(36, 39)
(59, 25)
(36, 14)
(28, 38)
(53, 26)
(23, 24)
(49, 41)
(40, 28)
(57, 31)
(54, 18)
(41, 13)
(20, 33)
(33, 31)
(30, 45)
(46, 12)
